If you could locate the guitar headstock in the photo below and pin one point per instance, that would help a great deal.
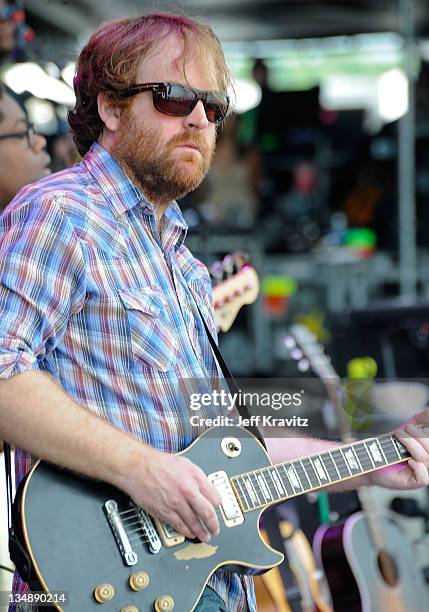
(305, 349)
(236, 284)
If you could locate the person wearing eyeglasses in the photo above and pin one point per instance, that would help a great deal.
(14, 32)
(23, 158)
(101, 302)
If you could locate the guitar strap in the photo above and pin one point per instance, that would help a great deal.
(242, 409)
(17, 552)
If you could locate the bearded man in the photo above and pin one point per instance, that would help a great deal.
(101, 303)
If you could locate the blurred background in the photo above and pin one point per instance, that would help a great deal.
(322, 174)
(320, 180)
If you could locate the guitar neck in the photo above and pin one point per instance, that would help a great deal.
(261, 488)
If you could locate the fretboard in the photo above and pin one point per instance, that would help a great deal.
(274, 483)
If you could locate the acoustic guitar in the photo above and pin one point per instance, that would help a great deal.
(369, 563)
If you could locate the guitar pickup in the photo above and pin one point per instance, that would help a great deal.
(230, 509)
(168, 535)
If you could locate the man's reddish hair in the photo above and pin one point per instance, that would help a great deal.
(110, 60)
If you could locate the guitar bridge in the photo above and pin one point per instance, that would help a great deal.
(113, 516)
(137, 521)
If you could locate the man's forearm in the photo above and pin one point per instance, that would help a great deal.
(286, 448)
(38, 416)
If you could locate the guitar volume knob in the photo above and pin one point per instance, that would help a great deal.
(165, 603)
(139, 581)
(129, 609)
(104, 593)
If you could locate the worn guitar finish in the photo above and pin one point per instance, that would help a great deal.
(76, 545)
(74, 550)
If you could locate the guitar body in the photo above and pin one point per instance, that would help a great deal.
(73, 549)
(352, 568)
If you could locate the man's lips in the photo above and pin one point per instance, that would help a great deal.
(191, 145)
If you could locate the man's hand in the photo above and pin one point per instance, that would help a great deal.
(414, 473)
(177, 491)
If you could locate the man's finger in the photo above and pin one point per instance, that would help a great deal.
(206, 513)
(420, 472)
(193, 522)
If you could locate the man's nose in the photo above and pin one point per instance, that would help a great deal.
(197, 118)
(38, 142)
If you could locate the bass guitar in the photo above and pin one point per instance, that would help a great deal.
(90, 540)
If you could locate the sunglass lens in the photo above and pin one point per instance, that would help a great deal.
(175, 100)
(216, 109)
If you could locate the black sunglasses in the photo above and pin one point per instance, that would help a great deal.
(178, 101)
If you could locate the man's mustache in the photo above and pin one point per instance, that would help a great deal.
(190, 139)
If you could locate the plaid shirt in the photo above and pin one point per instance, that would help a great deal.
(92, 293)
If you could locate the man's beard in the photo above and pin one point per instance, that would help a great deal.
(151, 164)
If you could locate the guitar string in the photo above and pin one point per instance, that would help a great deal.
(390, 451)
(135, 510)
(127, 525)
(301, 471)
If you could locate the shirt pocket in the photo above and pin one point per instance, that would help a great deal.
(153, 338)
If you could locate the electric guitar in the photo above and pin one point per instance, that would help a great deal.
(90, 540)
(368, 561)
(235, 284)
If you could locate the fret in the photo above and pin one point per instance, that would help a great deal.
(292, 478)
(300, 487)
(257, 487)
(317, 482)
(329, 454)
(275, 495)
(350, 458)
(322, 472)
(279, 491)
(264, 487)
(251, 491)
(277, 481)
(241, 493)
(346, 463)
(382, 451)
(271, 486)
(365, 457)
(389, 448)
(311, 472)
(289, 488)
(374, 449)
(400, 448)
(302, 475)
(357, 458)
(340, 463)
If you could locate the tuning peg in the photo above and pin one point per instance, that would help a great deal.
(303, 365)
(296, 354)
(228, 265)
(216, 271)
(289, 342)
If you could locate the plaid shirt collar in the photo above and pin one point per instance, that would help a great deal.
(123, 195)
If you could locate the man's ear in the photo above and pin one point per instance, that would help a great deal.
(109, 111)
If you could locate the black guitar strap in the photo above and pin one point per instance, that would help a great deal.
(242, 409)
(17, 552)
(9, 492)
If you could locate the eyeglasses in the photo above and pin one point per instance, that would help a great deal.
(28, 133)
(178, 101)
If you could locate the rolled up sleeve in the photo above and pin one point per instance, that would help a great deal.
(42, 281)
